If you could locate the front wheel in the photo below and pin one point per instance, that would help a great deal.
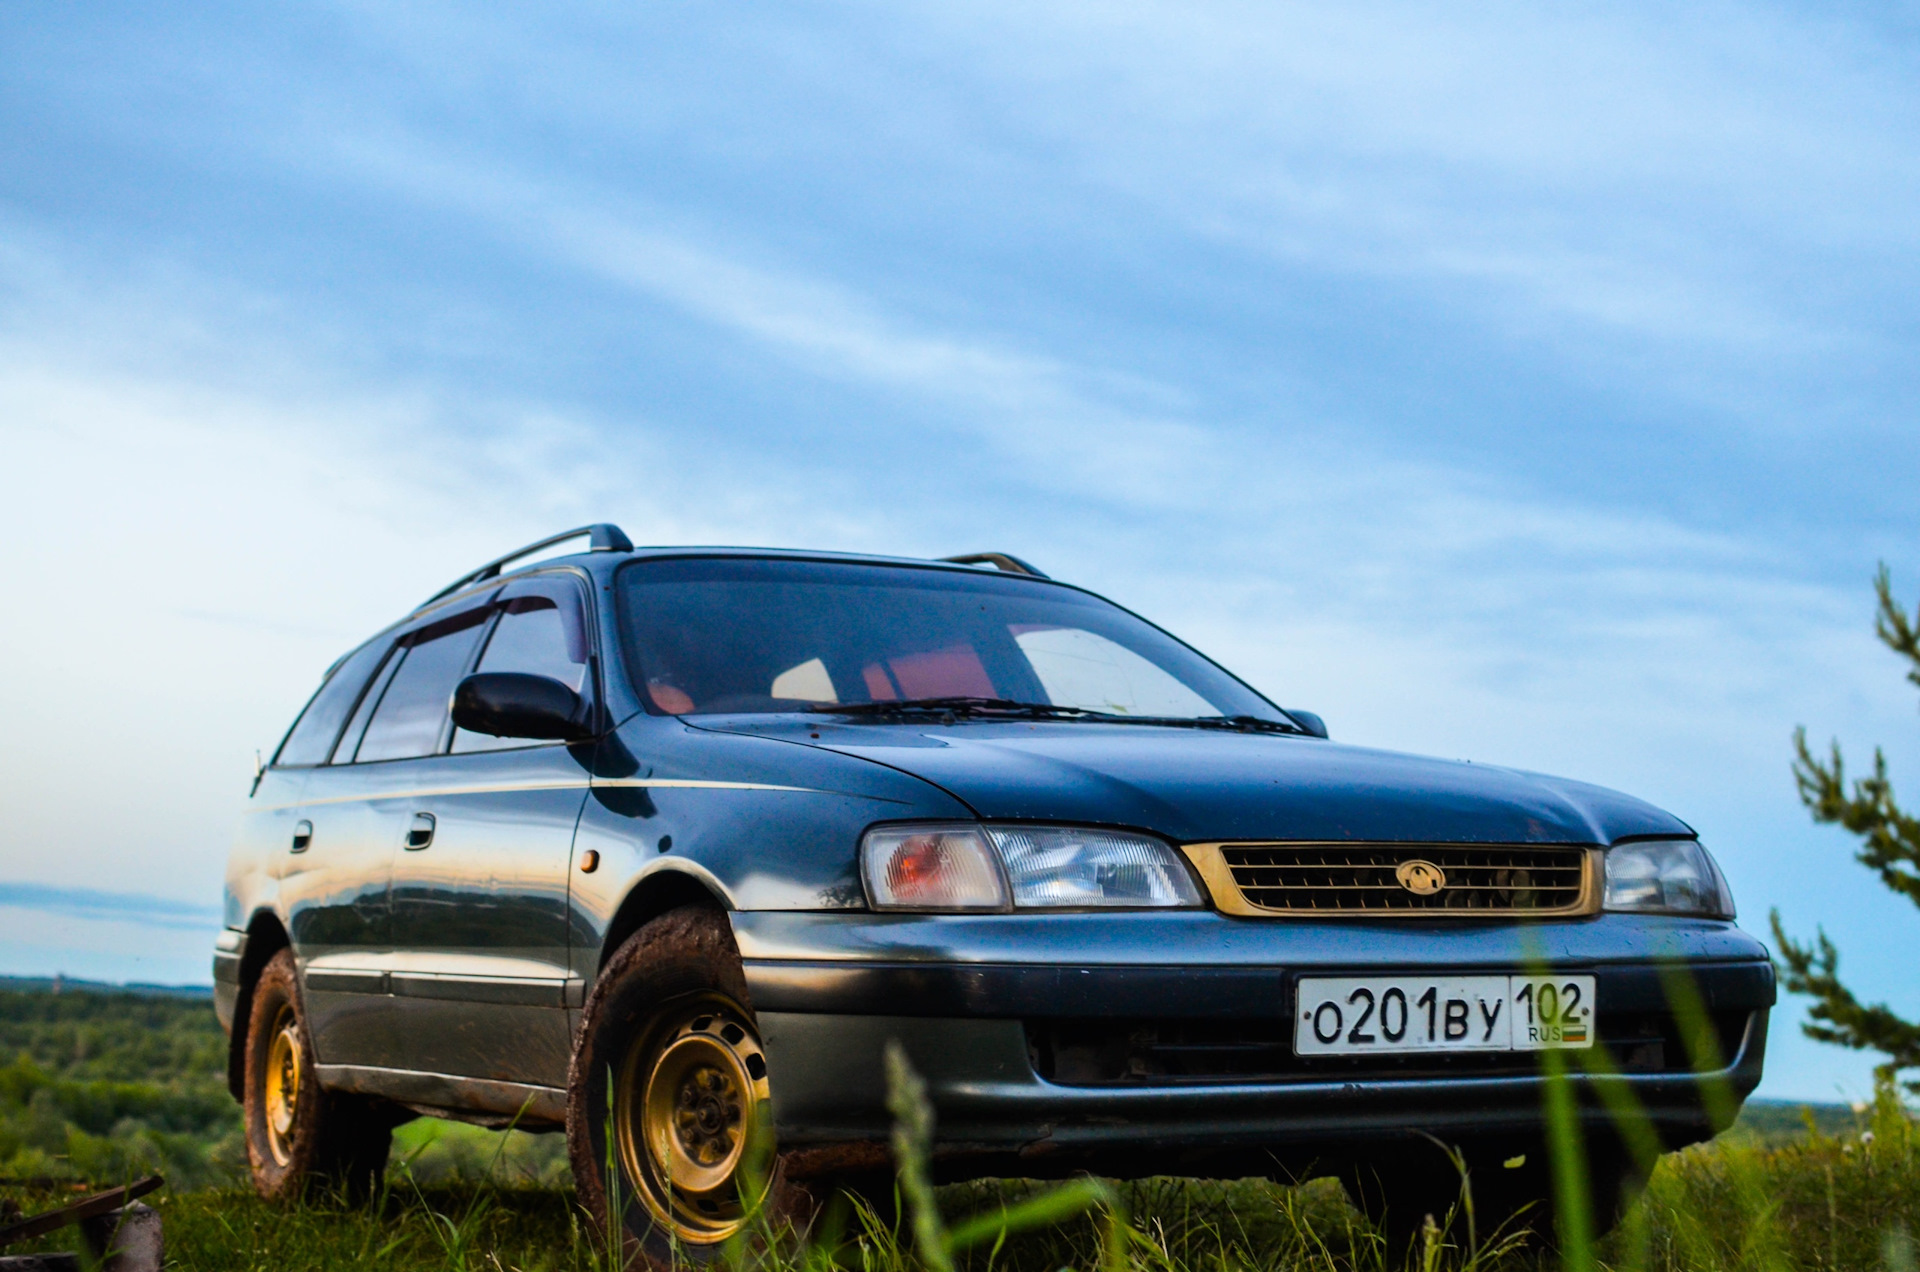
(669, 1123)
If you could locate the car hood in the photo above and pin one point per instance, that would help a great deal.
(1195, 785)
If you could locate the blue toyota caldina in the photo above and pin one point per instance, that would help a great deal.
(663, 848)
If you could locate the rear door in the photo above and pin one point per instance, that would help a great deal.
(480, 876)
(332, 875)
(358, 806)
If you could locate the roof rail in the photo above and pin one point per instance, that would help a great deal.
(602, 536)
(998, 560)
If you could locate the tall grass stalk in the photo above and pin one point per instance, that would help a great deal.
(1566, 1144)
(1761, 1246)
(913, 1120)
(613, 1238)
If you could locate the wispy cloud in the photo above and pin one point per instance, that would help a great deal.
(1513, 382)
(139, 908)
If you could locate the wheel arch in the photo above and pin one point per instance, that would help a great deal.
(651, 896)
(266, 936)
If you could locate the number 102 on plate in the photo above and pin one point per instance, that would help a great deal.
(1362, 1015)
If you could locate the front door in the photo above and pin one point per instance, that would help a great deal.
(480, 872)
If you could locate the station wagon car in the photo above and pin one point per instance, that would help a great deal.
(663, 848)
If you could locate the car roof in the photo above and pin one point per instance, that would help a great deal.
(599, 560)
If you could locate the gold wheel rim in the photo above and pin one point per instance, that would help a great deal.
(691, 1118)
(283, 1080)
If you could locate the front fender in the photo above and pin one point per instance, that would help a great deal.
(761, 824)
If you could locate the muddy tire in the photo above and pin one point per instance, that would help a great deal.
(302, 1139)
(669, 1124)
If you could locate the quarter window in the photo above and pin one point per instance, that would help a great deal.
(312, 735)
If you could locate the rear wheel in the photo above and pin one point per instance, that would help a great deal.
(299, 1136)
(669, 1123)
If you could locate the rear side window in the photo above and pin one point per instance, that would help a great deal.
(412, 714)
(311, 738)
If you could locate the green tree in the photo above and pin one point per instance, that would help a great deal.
(1889, 846)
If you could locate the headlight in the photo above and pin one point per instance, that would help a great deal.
(1666, 876)
(1053, 866)
(968, 867)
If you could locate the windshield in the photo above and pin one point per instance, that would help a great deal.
(712, 635)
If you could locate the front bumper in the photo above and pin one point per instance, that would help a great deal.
(979, 1004)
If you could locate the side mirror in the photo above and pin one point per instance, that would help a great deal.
(513, 704)
(1307, 720)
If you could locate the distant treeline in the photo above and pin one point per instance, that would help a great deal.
(103, 1083)
(70, 984)
(106, 1085)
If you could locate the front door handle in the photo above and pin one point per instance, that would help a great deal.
(421, 833)
(302, 835)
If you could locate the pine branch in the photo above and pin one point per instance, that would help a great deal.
(1895, 630)
(1890, 846)
(1839, 1017)
(1891, 838)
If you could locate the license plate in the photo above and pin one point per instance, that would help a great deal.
(1362, 1015)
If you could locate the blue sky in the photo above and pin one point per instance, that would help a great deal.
(1528, 384)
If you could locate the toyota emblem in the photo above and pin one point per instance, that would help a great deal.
(1422, 878)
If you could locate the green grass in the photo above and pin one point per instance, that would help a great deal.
(1831, 1203)
(100, 1087)
(1815, 1201)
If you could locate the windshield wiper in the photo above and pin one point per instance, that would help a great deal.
(1008, 707)
(1235, 723)
(963, 705)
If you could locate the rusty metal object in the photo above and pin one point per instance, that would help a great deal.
(121, 1235)
(86, 1208)
(835, 1159)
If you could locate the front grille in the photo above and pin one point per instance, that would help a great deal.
(1177, 1052)
(1345, 879)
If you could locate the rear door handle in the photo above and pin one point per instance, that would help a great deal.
(421, 833)
(302, 835)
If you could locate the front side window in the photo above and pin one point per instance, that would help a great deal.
(412, 714)
(715, 635)
(540, 632)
